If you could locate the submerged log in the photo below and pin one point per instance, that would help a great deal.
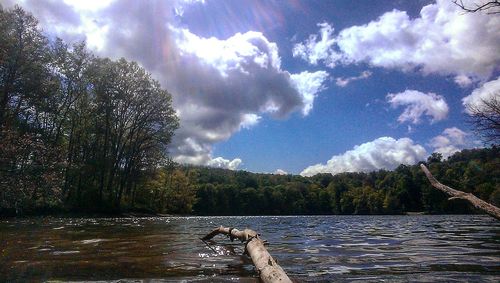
(267, 267)
(456, 194)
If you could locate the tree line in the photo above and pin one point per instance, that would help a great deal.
(76, 130)
(405, 189)
(214, 191)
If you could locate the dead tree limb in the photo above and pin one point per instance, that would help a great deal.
(268, 268)
(456, 194)
(492, 7)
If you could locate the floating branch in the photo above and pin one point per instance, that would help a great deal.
(456, 194)
(267, 267)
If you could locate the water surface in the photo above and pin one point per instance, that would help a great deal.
(456, 248)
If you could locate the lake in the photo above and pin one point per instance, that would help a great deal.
(417, 248)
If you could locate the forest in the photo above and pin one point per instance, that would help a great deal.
(405, 189)
(86, 134)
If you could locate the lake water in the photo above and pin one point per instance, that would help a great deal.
(422, 248)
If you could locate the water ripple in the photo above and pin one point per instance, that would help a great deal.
(445, 248)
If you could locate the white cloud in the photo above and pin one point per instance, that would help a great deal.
(309, 84)
(449, 142)
(249, 120)
(463, 81)
(382, 153)
(219, 86)
(315, 50)
(220, 162)
(85, 5)
(193, 1)
(418, 104)
(343, 82)
(441, 40)
(457, 135)
(223, 86)
(486, 92)
(233, 54)
(280, 172)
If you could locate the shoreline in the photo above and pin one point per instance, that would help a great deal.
(161, 215)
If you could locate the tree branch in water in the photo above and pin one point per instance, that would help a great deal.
(267, 267)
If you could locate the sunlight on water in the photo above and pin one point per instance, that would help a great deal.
(309, 248)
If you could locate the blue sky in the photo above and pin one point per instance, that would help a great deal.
(300, 87)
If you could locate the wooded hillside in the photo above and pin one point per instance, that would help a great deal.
(405, 189)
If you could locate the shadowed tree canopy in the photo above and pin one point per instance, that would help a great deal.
(76, 130)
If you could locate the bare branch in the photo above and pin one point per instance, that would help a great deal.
(456, 194)
(485, 118)
(492, 7)
(268, 268)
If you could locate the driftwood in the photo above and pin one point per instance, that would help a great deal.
(456, 194)
(267, 267)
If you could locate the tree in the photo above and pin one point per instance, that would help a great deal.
(181, 194)
(491, 7)
(81, 130)
(435, 157)
(23, 66)
(485, 118)
(30, 168)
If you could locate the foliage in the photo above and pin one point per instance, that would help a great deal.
(76, 130)
(405, 189)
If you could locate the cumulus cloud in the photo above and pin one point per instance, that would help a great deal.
(219, 86)
(441, 40)
(236, 53)
(449, 142)
(463, 81)
(382, 153)
(343, 82)
(220, 162)
(280, 172)
(72, 20)
(486, 92)
(226, 85)
(309, 84)
(318, 47)
(418, 104)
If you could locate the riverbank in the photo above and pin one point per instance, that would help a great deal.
(143, 214)
(62, 213)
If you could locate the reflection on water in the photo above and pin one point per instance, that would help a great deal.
(309, 248)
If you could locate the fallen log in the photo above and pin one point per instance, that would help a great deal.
(456, 194)
(267, 267)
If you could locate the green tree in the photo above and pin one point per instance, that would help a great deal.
(181, 194)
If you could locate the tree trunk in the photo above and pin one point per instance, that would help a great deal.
(267, 267)
(456, 194)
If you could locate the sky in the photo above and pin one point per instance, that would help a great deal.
(299, 87)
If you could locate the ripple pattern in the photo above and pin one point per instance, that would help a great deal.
(420, 248)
